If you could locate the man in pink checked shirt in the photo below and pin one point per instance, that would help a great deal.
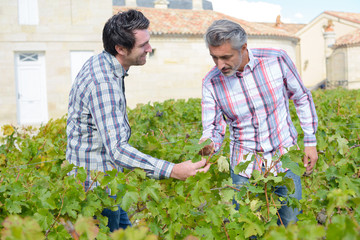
(249, 90)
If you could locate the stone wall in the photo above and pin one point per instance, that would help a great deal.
(63, 26)
(174, 70)
(313, 49)
(353, 67)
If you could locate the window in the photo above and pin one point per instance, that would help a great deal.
(28, 12)
(78, 58)
(28, 57)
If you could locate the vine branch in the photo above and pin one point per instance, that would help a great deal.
(57, 217)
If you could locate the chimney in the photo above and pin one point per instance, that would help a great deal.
(130, 3)
(278, 22)
(161, 4)
(197, 5)
(329, 37)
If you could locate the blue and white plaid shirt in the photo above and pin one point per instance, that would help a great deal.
(98, 129)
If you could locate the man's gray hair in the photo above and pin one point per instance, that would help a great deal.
(222, 31)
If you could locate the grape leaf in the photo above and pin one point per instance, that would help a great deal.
(128, 199)
(223, 164)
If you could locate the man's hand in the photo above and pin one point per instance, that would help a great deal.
(310, 159)
(208, 149)
(187, 169)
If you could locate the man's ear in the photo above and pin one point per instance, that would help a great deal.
(121, 50)
(244, 46)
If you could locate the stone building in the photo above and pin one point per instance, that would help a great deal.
(180, 58)
(43, 44)
(317, 40)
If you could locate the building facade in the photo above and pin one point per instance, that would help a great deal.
(343, 62)
(316, 46)
(43, 44)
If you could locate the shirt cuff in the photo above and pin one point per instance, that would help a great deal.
(309, 140)
(163, 169)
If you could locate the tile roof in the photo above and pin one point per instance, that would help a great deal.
(350, 39)
(353, 17)
(195, 22)
(291, 28)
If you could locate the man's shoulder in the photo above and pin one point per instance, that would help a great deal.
(93, 73)
(268, 52)
(214, 73)
(100, 62)
(99, 68)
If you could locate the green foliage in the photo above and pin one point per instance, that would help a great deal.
(39, 200)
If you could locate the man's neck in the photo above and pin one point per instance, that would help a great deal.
(245, 60)
(121, 61)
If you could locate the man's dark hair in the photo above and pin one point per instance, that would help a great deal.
(119, 30)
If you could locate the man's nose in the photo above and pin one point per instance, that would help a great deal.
(148, 49)
(220, 64)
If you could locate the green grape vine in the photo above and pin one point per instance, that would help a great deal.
(38, 200)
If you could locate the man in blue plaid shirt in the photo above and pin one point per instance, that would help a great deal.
(98, 129)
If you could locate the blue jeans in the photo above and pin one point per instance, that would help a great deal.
(286, 213)
(117, 219)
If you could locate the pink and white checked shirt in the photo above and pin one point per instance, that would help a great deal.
(255, 105)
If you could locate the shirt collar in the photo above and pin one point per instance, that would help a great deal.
(251, 62)
(118, 69)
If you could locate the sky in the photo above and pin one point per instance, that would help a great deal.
(291, 11)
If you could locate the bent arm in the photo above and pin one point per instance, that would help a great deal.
(214, 125)
(108, 108)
